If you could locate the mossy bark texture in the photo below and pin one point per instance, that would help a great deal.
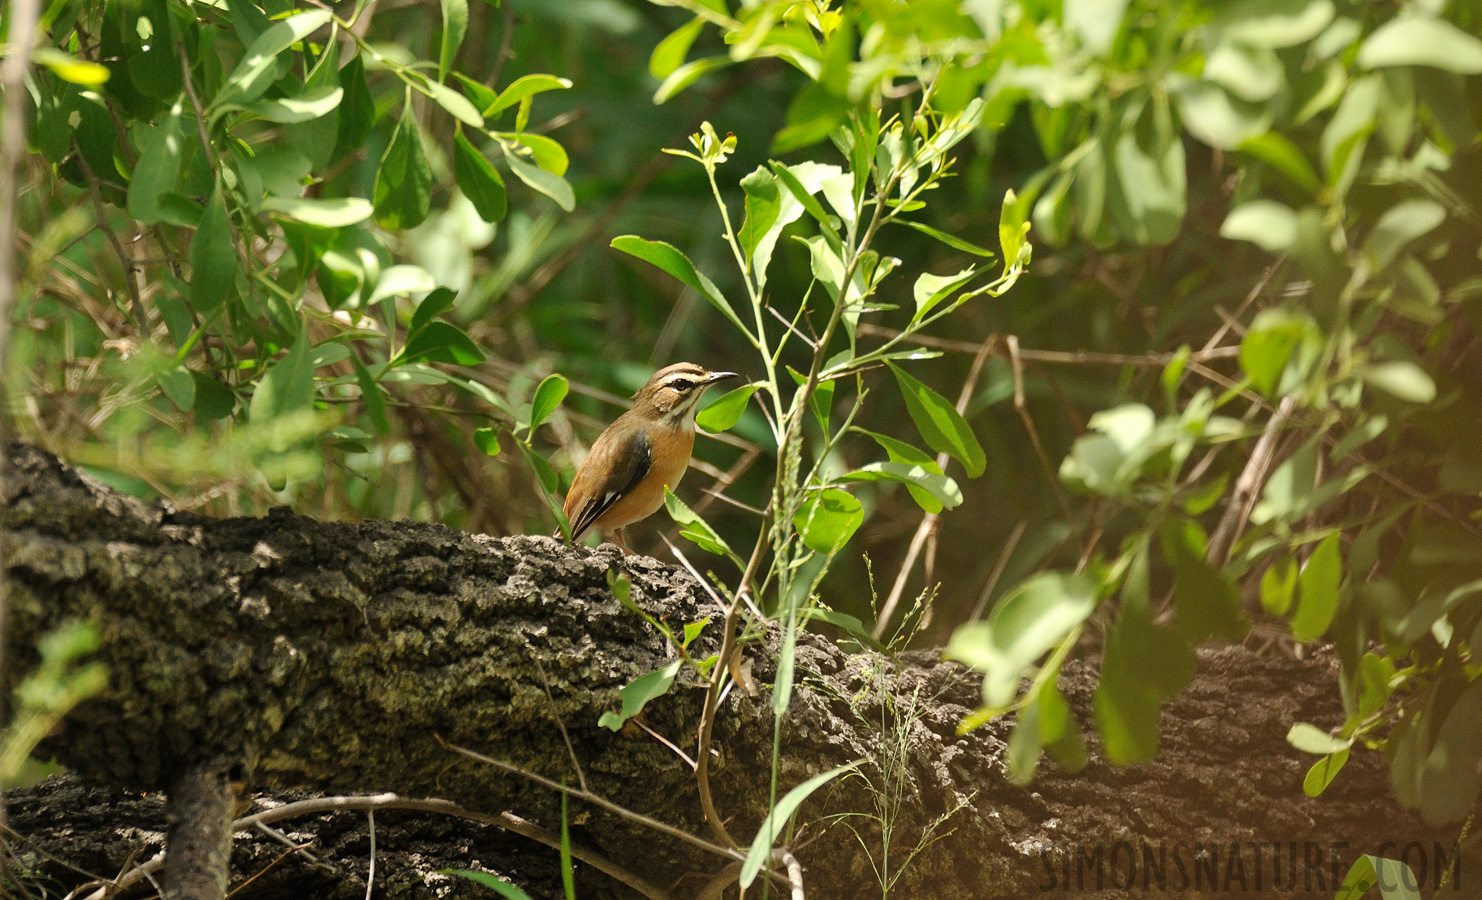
(345, 658)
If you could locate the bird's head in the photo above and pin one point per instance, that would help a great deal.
(671, 394)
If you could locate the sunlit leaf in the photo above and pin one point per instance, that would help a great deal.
(455, 25)
(526, 86)
(1317, 590)
(548, 396)
(940, 424)
(827, 519)
(256, 72)
(636, 695)
(772, 825)
(553, 186)
(726, 411)
(671, 260)
(1422, 41)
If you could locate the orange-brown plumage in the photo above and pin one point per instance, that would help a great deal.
(646, 450)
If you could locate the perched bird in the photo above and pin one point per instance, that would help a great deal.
(646, 450)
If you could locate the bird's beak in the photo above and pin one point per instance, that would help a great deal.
(719, 376)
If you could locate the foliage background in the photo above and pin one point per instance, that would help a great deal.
(1288, 188)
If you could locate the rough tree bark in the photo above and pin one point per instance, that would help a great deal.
(344, 658)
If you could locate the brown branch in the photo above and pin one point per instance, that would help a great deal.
(198, 844)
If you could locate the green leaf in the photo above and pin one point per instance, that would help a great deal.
(1450, 779)
(671, 260)
(1274, 335)
(1274, 23)
(931, 290)
(357, 109)
(70, 68)
(763, 203)
(287, 387)
(1219, 120)
(213, 262)
(179, 386)
(440, 342)
(1311, 739)
(455, 25)
(1395, 879)
(1250, 73)
(432, 306)
(158, 170)
(455, 104)
(1347, 132)
(1401, 224)
(804, 196)
(1323, 772)
(902, 452)
(726, 411)
(337, 212)
(482, 97)
(827, 519)
(1270, 225)
(1026, 624)
(479, 180)
(549, 484)
(1207, 602)
(371, 396)
(487, 441)
(1281, 154)
(696, 529)
(772, 825)
(526, 86)
(1095, 22)
(940, 424)
(1403, 380)
(1148, 195)
(403, 180)
(1318, 591)
(671, 51)
(499, 886)
(553, 186)
(548, 395)
(942, 491)
(636, 695)
(692, 630)
(688, 74)
(305, 107)
(257, 70)
(399, 280)
(1279, 586)
(214, 400)
(1422, 41)
(548, 154)
(951, 240)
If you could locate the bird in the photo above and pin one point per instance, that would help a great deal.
(644, 451)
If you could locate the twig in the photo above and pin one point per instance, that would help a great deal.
(666, 742)
(507, 821)
(370, 877)
(794, 871)
(1057, 357)
(1243, 498)
(581, 777)
(598, 800)
(927, 530)
(1016, 362)
(1003, 561)
(300, 849)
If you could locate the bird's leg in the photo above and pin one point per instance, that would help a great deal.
(617, 538)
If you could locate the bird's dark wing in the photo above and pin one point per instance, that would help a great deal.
(625, 461)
